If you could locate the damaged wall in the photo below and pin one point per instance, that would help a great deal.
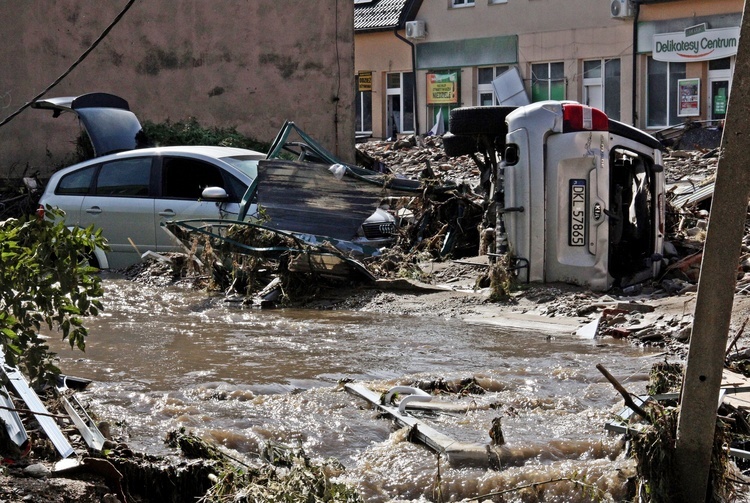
(247, 64)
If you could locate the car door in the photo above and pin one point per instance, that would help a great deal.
(183, 180)
(121, 203)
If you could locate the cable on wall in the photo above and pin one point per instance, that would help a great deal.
(73, 66)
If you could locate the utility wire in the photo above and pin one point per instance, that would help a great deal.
(73, 66)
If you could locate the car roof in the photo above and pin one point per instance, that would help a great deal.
(197, 151)
(107, 118)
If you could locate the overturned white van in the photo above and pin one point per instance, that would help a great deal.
(579, 197)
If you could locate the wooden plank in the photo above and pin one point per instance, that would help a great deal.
(457, 453)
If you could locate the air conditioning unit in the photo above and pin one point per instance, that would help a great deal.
(620, 8)
(416, 29)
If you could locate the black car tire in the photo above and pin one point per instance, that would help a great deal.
(458, 145)
(479, 120)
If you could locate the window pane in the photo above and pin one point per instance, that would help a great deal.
(557, 90)
(484, 76)
(129, 177)
(486, 100)
(77, 182)
(592, 69)
(540, 71)
(540, 90)
(657, 93)
(719, 64)
(364, 112)
(408, 93)
(184, 178)
(394, 80)
(557, 71)
(612, 89)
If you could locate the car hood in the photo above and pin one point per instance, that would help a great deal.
(107, 118)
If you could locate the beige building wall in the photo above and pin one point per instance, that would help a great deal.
(676, 16)
(380, 53)
(552, 30)
(251, 65)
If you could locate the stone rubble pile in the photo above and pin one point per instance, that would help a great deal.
(410, 156)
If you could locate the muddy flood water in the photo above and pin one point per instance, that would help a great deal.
(162, 359)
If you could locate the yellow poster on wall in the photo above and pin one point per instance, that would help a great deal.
(365, 81)
(442, 88)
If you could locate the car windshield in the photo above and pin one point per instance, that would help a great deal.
(248, 164)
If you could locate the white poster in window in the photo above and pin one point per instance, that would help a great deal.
(689, 91)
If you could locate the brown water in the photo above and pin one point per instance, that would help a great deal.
(162, 359)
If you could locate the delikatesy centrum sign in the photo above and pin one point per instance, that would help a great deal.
(696, 45)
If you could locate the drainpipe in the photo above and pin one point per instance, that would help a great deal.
(414, 71)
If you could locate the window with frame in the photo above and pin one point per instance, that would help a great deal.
(485, 92)
(363, 111)
(661, 88)
(548, 81)
(601, 86)
(462, 3)
(126, 178)
(185, 178)
(400, 103)
(76, 183)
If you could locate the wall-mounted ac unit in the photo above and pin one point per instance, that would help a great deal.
(620, 8)
(416, 29)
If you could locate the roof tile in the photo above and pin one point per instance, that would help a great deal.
(379, 14)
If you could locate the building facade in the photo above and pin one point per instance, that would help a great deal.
(686, 56)
(626, 57)
(249, 65)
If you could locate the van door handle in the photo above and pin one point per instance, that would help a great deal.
(167, 213)
(94, 210)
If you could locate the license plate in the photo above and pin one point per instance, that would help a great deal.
(577, 222)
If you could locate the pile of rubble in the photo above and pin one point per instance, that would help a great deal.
(410, 156)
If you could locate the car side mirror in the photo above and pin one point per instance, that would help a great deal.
(214, 194)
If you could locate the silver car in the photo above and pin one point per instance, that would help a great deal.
(129, 191)
(129, 194)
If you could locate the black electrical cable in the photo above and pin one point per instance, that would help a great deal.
(73, 66)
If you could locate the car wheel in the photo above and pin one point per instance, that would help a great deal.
(89, 257)
(479, 120)
(458, 145)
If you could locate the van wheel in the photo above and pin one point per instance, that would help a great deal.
(479, 120)
(458, 145)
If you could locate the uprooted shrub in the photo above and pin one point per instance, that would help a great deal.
(281, 474)
(45, 281)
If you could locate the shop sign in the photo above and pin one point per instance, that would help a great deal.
(689, 93)
(442, 88)
(365, 81)
(696, 44)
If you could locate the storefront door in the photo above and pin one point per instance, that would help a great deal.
(719, 82)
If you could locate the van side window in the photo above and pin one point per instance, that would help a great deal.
(127, 177)
(76, 183)
(184, 178)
